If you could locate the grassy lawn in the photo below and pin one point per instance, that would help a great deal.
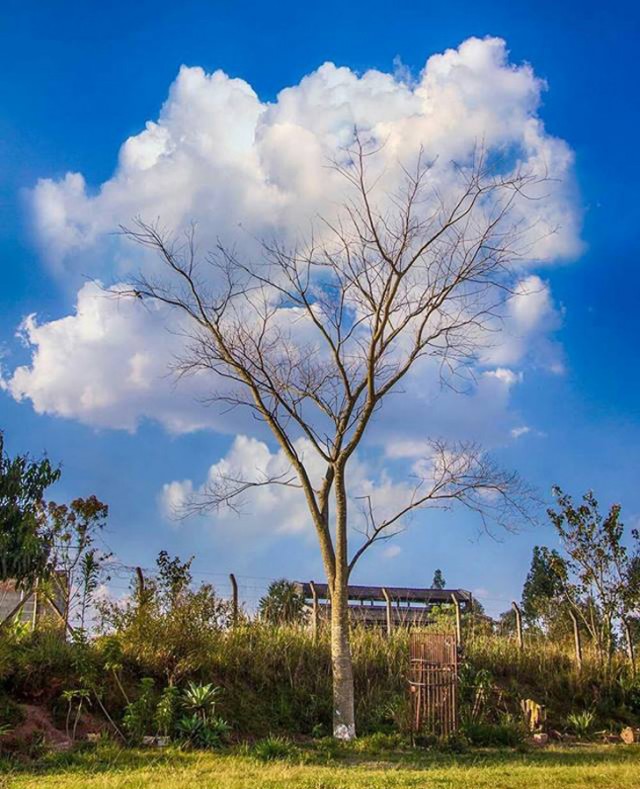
(106, 767)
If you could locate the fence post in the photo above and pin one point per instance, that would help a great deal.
(629, 645)
(36, 598)
(234, 599)
(576, 638)
(388, 605)
(456, 605)
(516, 608)
(140, 577)
(314, 611)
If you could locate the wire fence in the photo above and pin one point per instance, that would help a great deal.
(251, 588)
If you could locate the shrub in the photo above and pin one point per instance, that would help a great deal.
(169, 629)
(164, 718)
(197, 733)
(379, 742)
(139, 714)
(581, 723)
(272, 748)
(493, 734)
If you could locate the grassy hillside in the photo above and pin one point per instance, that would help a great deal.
(278, 680)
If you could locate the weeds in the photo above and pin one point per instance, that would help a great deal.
(581, 722)
(272, 748)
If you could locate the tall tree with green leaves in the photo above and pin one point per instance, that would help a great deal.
(594, 577)
(47, 545)
(77, 561)
(25, 539)
(542, 588)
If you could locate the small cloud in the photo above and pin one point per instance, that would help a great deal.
(406, 449)
(175, 495)
(505, 376)
(392, 551)
(516, 432)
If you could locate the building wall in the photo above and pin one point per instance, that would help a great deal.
(10, 596)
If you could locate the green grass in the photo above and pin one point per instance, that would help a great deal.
(325, 765)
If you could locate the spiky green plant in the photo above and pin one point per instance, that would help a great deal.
(581, 722)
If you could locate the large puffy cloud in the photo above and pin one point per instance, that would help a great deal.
(282, 509)
(108, 365)
(220, 156)
(252, 460)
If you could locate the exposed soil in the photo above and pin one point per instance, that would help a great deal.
(37, 725)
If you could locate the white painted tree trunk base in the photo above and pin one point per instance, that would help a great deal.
(343, 732)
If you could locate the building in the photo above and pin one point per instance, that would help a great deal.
(34, 606)
(378, 606)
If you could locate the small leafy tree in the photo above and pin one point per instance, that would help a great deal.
(139, 714)
(76, 700)
(168, 626)
(542, 601)
(165, 715)
(25, 542)
(506, 623)
(282, 604)
(78, 562)
(593, 578)
(174, 577)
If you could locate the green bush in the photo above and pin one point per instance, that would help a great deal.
(272, 748)
(493, 734)
(164, 718)
(139, 714)
(581, 723)
(197, 733)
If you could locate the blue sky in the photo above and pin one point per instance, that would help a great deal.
(78, 79)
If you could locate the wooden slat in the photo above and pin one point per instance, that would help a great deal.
(433, 678)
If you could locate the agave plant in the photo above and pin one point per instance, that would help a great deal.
(189, 728)
(196, 733)
(581, 722)
(200, 700)
(201, 727)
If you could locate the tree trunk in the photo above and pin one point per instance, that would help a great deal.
(344, 726)
(344, 723)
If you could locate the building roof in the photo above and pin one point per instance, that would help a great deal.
(404, 594)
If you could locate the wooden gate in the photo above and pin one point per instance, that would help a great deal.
(433, 682)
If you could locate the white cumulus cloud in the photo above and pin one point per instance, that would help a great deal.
(243, 169)
(267, 511)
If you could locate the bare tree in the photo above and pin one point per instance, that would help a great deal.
(374, 293)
